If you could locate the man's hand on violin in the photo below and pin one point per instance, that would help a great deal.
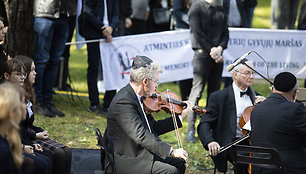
(259, 99)
(213, 148)
(187, 109)
(180, 153)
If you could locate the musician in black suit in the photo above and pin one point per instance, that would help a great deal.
(220, 126)
(132, 135)
(280, 123)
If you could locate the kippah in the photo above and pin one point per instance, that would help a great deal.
(284, 81)
(141, 61)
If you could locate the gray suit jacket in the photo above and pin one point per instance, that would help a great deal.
(132, 144)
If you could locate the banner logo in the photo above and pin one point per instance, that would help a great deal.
(125, 54)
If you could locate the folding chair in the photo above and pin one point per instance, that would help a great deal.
(257, 156)
(105, 156)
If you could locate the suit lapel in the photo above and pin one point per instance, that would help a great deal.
(231, 99)
(139, 109)
(232, 109)
(252, 95)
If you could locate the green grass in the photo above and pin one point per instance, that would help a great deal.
(261, 17)
(76, 128)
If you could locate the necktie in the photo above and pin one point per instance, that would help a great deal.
(243, 93)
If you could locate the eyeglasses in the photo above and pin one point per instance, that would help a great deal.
(21, 75)
(248, 74)
(156, 81)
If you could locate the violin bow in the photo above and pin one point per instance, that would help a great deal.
(178, 137)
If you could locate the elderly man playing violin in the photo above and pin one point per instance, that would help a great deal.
(132, 135)
(220, 126)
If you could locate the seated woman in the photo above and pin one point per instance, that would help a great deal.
(62, 154)
(10, 117)
(14, 72)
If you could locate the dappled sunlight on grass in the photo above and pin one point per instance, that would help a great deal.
(263, 12)
(261, 17)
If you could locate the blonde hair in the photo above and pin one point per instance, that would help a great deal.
(10, 103)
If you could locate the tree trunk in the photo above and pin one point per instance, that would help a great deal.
(20, 34)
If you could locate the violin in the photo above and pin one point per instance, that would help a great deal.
(169, 102)
(245, 117)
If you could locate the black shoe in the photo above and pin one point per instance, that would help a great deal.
(190, 137)
(43, 110)
(53, 109)
(97, 109)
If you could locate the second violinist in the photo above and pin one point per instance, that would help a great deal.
(220, 126)
(133, 135)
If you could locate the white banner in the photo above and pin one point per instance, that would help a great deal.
(283, 50)
(172, 50)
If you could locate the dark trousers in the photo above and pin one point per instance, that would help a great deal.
(62, 160)
(94, 63)
(204, 70)
(48, 50)
(185, 88)
(168, 165)
(121, 27)
(43, 164)
(65, 55)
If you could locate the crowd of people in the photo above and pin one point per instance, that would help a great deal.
(132, 134)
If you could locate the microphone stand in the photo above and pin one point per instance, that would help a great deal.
(243, 62)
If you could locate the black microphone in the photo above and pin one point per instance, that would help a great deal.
(233, 65)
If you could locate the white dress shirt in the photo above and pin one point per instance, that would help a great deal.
(241, 103)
